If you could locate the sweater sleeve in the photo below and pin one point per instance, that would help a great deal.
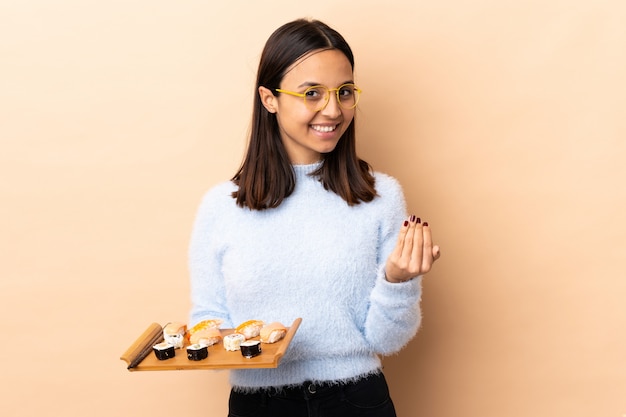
(208, 296)
(394, 314)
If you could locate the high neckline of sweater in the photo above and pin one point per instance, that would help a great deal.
(305, 169)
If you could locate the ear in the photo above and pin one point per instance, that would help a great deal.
(268, 99)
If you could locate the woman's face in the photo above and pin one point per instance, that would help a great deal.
(306, 133)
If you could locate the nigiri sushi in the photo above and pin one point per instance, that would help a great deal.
(206, 324)
(207, 337)
(250, 328)
(273, 332)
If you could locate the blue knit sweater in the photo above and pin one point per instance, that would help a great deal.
(313, 257)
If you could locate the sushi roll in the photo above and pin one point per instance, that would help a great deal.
(250, 328)
(174, 333)
(164, 351)
(273, 332)
(233, 340)
(197, 352)
(250, 348)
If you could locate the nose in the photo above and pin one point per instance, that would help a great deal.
(332, 108)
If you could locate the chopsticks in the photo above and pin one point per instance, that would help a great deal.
(143, 345)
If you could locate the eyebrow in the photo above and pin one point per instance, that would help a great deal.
(311, 83)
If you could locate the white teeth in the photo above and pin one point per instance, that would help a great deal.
(323, 128)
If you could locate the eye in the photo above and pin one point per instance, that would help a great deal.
(346, 91)
(314, 93)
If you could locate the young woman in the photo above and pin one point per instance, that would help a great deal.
(306, 229)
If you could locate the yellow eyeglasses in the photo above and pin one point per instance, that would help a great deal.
(317, 97)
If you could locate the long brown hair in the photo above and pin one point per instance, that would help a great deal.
(266, 176)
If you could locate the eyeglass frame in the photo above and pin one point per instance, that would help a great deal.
(303, 95)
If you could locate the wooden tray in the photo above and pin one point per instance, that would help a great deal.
(140, 357)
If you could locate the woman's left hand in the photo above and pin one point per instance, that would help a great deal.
(414, 253)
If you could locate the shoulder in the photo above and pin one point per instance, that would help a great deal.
(219, 195)
(389, 193)
(391, 204)
(386, 185)
(221, 189)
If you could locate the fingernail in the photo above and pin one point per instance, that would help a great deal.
(425, 223)
(418, 220)
(406, 223)
(412, 219)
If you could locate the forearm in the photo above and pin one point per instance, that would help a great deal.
(394, 315)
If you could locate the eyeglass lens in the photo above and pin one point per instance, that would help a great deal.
(318, 96)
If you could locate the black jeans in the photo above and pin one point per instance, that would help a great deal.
(367, 397)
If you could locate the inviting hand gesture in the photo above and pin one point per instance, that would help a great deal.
(414, 253)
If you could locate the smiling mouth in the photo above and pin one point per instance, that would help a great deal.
(323, 129)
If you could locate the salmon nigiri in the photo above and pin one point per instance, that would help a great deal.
(273, 332)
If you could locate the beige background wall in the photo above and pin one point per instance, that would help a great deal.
(503, 119)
